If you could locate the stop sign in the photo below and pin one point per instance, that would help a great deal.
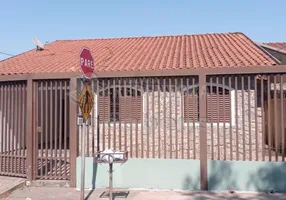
(86, 62)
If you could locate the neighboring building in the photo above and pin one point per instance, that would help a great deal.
(276, 49)
(172, 102)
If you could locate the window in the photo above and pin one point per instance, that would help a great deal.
(218, 105)
(124, 105)
(191, 105)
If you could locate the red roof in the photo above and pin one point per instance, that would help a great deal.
(277, 45)
(222, 50)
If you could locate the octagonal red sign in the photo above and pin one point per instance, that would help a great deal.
(86, 62)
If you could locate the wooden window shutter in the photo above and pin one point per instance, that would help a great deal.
(137, 108)
(191, 110)
(130, 109)
(221, 103)
(104, 108)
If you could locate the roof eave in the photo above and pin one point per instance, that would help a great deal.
(153, 73)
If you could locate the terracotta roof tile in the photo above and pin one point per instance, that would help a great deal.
(277, 45)
(219, 50)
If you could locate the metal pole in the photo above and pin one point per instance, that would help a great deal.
(83, 158)
(110, 182)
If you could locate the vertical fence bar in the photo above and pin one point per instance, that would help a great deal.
(243, 116)
(2, 126)
(236, 119)
(66, 131)
(262, 117)
(255, 119)
(5, 127)
(268, 125)
(29, 127)
(249, 119)
(153, 120)
(203, 132)
(98, 118)
(56, 126)
(230, 123)
(142, 123)
(60, 124)
(10, 132)
(130, 81)
(120, 96)
(125, 127)
(170, 115)
(8, 128)
(176, 113)
(35, 130)
(104, 114)
(275, 119)
(16, 133)
(147, 100)
(51, 127)
(114, 114)
(73, 129)
(181, 120)
(109, 114)
(17, 129)
(42, 124)
(46, 127)
(195, 115)
(218, 117)
(187, 117)
(164, 108)
(282, 115)
(137, 121)
(25, 109)
(159, 117)
(8, 152)
(224, 135)
(13, 132)
(211, 117)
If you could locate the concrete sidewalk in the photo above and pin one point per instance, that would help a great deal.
(9, 184)
(44, 193)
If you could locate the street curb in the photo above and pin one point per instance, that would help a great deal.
(9, 191)
(51, 183)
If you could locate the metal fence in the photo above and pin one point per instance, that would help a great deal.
(13, 152)
(51, 139)
(160, 117)
(203, 116)
(145, 116)
(256, 130)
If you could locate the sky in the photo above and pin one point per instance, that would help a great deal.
(261, 20)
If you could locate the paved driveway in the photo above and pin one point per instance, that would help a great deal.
(44, 193)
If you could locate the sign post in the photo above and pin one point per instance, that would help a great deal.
(86, 102)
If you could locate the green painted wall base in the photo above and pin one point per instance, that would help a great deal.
(247, 176)
(143, 173)
(185, 175)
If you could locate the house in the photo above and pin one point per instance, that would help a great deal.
(277, 49)
(180, 105)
